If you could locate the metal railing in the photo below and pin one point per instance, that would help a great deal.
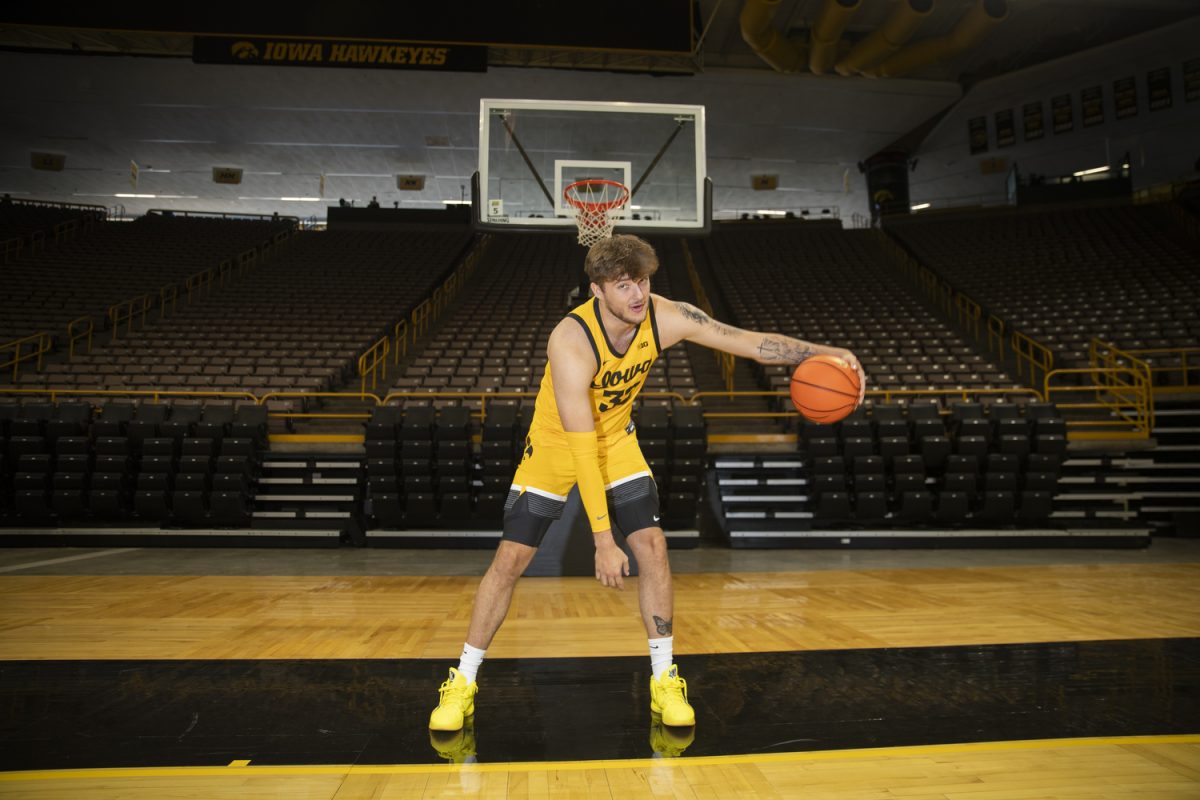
(1179, 376)
(373, 363)
(1117, 403)
(155, 395)
(126, 312)
(1032, 356)
(11, 248)
(41, 344)
(80, 328)
(167, 297)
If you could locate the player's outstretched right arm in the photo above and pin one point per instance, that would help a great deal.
(678, 321)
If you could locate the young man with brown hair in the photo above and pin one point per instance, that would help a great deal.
(599, 357)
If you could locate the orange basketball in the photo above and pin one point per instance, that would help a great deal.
(825, 388)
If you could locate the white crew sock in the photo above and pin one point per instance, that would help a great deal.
(661, 655)
(469, 661)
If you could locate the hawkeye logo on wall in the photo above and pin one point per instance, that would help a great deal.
(325, 53)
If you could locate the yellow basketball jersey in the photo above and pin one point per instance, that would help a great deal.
(614, 387)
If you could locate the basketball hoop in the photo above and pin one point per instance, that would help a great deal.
(596, 205)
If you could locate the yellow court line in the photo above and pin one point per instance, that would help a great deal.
(752, 438)
(915, 751)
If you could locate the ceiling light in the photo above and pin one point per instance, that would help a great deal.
(919, 206)
(301, 199)
(1091, 171)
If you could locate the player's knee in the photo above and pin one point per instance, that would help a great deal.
(511, 560)
(650, 543)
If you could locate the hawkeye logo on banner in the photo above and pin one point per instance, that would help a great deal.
(324, 53)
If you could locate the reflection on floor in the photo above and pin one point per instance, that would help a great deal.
(79, 714)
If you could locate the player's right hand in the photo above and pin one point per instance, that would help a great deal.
(611, 562)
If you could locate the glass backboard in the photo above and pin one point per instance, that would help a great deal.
(530, 151)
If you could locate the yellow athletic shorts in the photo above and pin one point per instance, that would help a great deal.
(546, 475)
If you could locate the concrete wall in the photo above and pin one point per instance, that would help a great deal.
(1164, 145)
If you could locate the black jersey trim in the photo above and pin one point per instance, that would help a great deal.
(604, 331)
(654, 327)
(591, 339)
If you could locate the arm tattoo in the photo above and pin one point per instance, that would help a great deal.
(782, 351)
(696, 315)
(693, 313)
(663, 626)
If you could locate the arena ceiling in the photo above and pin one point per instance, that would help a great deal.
(351, 131)
(1032, 32)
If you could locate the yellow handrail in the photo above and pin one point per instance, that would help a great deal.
(995, 338)
(12, 248)
(153, 394)
(969, 313)
(1122, 398)
(1105, 355)
(429, 309)
(373, 363)
(400, 336)
(87, 324)
(125, 312)
(167, 296)
(724, 360)
(1182, 368)
(42, 344)
(1032, 354)
(246, 260)
(198, 281)
(64, 231)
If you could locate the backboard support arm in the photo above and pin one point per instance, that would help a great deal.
(520, 149)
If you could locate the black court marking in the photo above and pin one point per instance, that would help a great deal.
(81, 714)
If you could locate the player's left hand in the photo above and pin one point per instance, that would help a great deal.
(612, 565)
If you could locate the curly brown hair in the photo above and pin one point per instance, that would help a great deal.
(619, 256)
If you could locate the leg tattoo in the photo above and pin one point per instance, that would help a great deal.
(662, 625)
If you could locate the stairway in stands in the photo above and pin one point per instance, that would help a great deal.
(309, 491)
(1158, 486)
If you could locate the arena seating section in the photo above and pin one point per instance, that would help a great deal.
(493, 341)
(297, 323)
(911, 461)
(27, 226)
(1123, 273)
(832, 286)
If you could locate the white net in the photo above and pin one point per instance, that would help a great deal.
(596, 206)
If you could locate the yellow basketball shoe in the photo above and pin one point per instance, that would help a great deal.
(457, 747)
(668, 696)
(669, 742)
(457, 702)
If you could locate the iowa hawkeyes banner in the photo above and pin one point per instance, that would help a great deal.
(326, 53)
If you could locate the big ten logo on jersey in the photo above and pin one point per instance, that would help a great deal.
(619, 385)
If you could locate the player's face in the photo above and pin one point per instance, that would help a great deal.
(627, 299)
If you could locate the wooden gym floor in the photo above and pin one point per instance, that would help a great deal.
(223, 673)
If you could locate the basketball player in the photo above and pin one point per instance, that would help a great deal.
(599, 357)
